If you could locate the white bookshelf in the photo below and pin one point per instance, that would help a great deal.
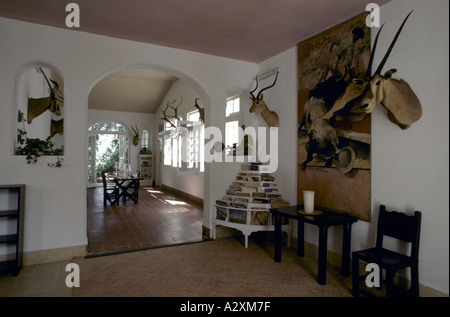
(247, 202)
(146, 169)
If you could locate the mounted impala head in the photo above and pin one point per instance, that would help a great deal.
(136, 138)
(37, 106)
(361, 96)
(258, 105)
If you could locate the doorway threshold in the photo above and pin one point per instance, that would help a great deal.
(100, 254)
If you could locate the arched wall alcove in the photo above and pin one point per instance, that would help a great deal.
(32, 111)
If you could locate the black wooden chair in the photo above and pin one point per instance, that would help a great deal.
(399, 226)
(110, 190)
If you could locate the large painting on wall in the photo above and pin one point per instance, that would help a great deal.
(334, 147)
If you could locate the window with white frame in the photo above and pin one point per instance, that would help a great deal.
(145, 146)
(193, 144)
(182, 146)
(232, 123)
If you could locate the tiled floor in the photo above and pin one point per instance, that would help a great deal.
(41, 280)
(159, 218)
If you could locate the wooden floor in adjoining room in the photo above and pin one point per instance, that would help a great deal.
(159, 218)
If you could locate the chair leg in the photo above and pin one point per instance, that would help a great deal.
(355, 276)
(390, 283)
(414, 281)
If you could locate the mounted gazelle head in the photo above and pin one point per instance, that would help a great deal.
(136, 137)
(37, 106)
(361, 96)
(201, 111)
(258, 105)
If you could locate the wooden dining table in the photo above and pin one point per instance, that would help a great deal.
(128, 187)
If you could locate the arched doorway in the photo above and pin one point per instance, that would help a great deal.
(108, 147)
(175, 207)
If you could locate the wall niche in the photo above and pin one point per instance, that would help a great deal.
(40, 114)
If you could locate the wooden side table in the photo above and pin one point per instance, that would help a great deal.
(327, 218)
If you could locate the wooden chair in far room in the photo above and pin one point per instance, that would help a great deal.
(110, 190)
(399, 226)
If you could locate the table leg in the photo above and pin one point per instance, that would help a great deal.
(322, 267)
(347, 236)
(277, 244)
(301, 238)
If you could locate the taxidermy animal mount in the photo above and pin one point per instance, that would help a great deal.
(167, 117)
(200, 110)
(258, 105)
(136, 138)
(361, 96)
(56, 127)
(37, 106)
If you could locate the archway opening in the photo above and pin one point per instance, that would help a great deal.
(119, 96)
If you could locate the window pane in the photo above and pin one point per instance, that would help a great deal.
(107, 126)
(144, 139)
(167, 150)
(193, 116)
(233, 105)
(236, 103)
(231, 133)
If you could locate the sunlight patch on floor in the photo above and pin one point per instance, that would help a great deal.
(176, 202)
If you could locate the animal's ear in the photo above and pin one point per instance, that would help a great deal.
(401, 102)
(262, 97)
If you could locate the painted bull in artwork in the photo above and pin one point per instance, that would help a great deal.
(322, 137)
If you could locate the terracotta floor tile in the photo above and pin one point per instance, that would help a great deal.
(159, 218)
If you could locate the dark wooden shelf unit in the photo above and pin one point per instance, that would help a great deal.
(13, 265)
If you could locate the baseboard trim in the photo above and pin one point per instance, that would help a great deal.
(53, 255)
(185, 195)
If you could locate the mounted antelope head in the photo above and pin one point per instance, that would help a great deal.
(258, 105)
(200, 110)
(37, 106)
(167, 117)
(396, 96)
(136, 138)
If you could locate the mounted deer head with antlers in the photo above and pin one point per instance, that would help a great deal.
(37, 106)
(258, 105)
(396, 96)
(167, 117)
(201, 111)
(136, 137)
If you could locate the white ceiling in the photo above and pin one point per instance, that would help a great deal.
(249, 30)
(134, 90)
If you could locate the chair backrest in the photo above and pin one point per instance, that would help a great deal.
(104, 178)
(400, 226)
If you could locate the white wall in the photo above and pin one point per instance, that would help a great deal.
(56, 198)
(409, 168)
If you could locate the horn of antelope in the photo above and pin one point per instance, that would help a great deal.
(200, 110)
(260, 106)
(37, 106)
(386, 56)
